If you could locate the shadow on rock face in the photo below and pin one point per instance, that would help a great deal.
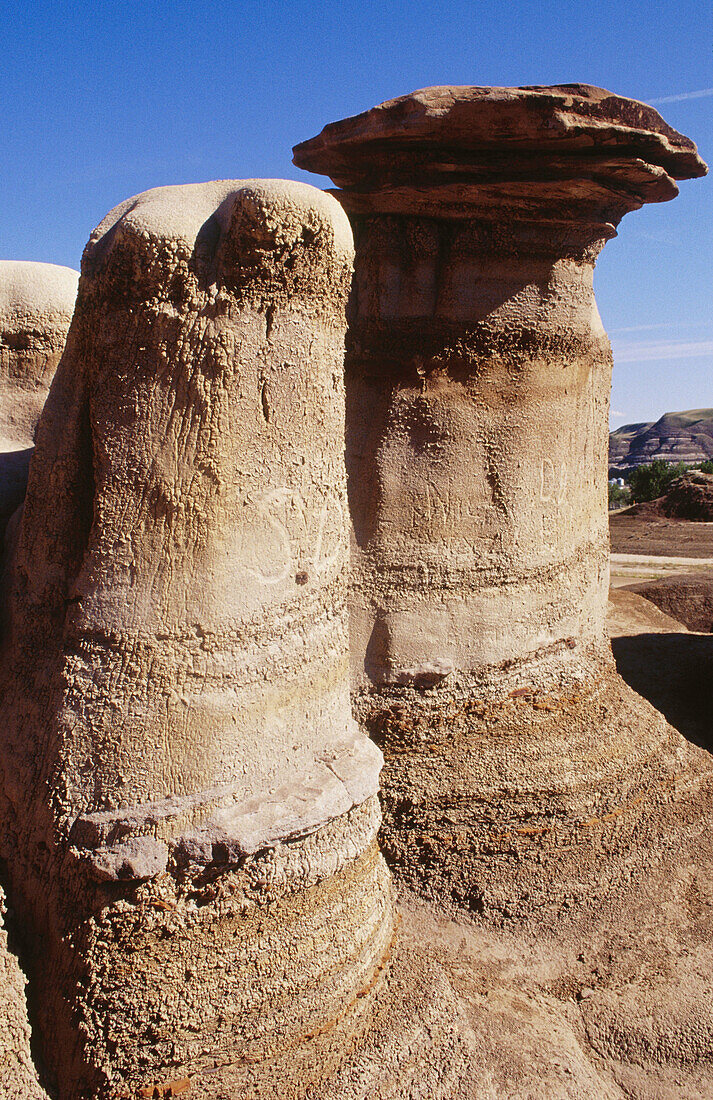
(687, 597)
(672, 671)
(14, 466)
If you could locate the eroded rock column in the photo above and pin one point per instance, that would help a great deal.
(478, 376)
(190, 809)
(36, 306)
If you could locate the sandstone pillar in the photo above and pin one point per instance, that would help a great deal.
(36, 306)
(478, 376)
(18, 1075)
(191, 809)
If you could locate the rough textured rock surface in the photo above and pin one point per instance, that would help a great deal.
(521, 772)
(189, 809)
(687, 597)
(465, 137)
(18, 1077)
(675, 437)
(36, 306)
(593, 1013)
(611, 1000)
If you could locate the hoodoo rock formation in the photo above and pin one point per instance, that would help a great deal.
(188, 810)
(36, 306)
(522, 774)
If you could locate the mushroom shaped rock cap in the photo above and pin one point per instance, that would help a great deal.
(475, 145)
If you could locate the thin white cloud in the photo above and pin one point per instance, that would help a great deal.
(616, 415)
(660, 325)
(643, 328)
(665, 349)
(702, 94)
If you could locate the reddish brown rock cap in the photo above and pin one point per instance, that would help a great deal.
(567, 144)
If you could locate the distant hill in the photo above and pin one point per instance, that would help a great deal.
(676, 437)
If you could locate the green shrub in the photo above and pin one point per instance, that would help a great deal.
(619, 495)
(652, 481)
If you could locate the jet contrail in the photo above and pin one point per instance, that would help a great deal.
(683, 95)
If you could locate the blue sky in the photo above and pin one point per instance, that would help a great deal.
(103, 99)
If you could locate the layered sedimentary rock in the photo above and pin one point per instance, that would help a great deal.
(189, 811)
(36, 305)
(675, 437)
(521, 772)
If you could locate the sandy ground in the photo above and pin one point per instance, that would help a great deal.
(627, 569)
(655, 654)
(645, 548)
(657, 537)
(663, 661)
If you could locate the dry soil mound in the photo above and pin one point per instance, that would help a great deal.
(629, 613)
(687, 597)
(690, 497)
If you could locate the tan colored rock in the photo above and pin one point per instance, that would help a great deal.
(36, 306)
(524, 781)
(190, 809)
(478, 376)
(18, 1077)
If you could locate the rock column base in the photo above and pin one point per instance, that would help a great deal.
(519, 801)
(247, 980)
